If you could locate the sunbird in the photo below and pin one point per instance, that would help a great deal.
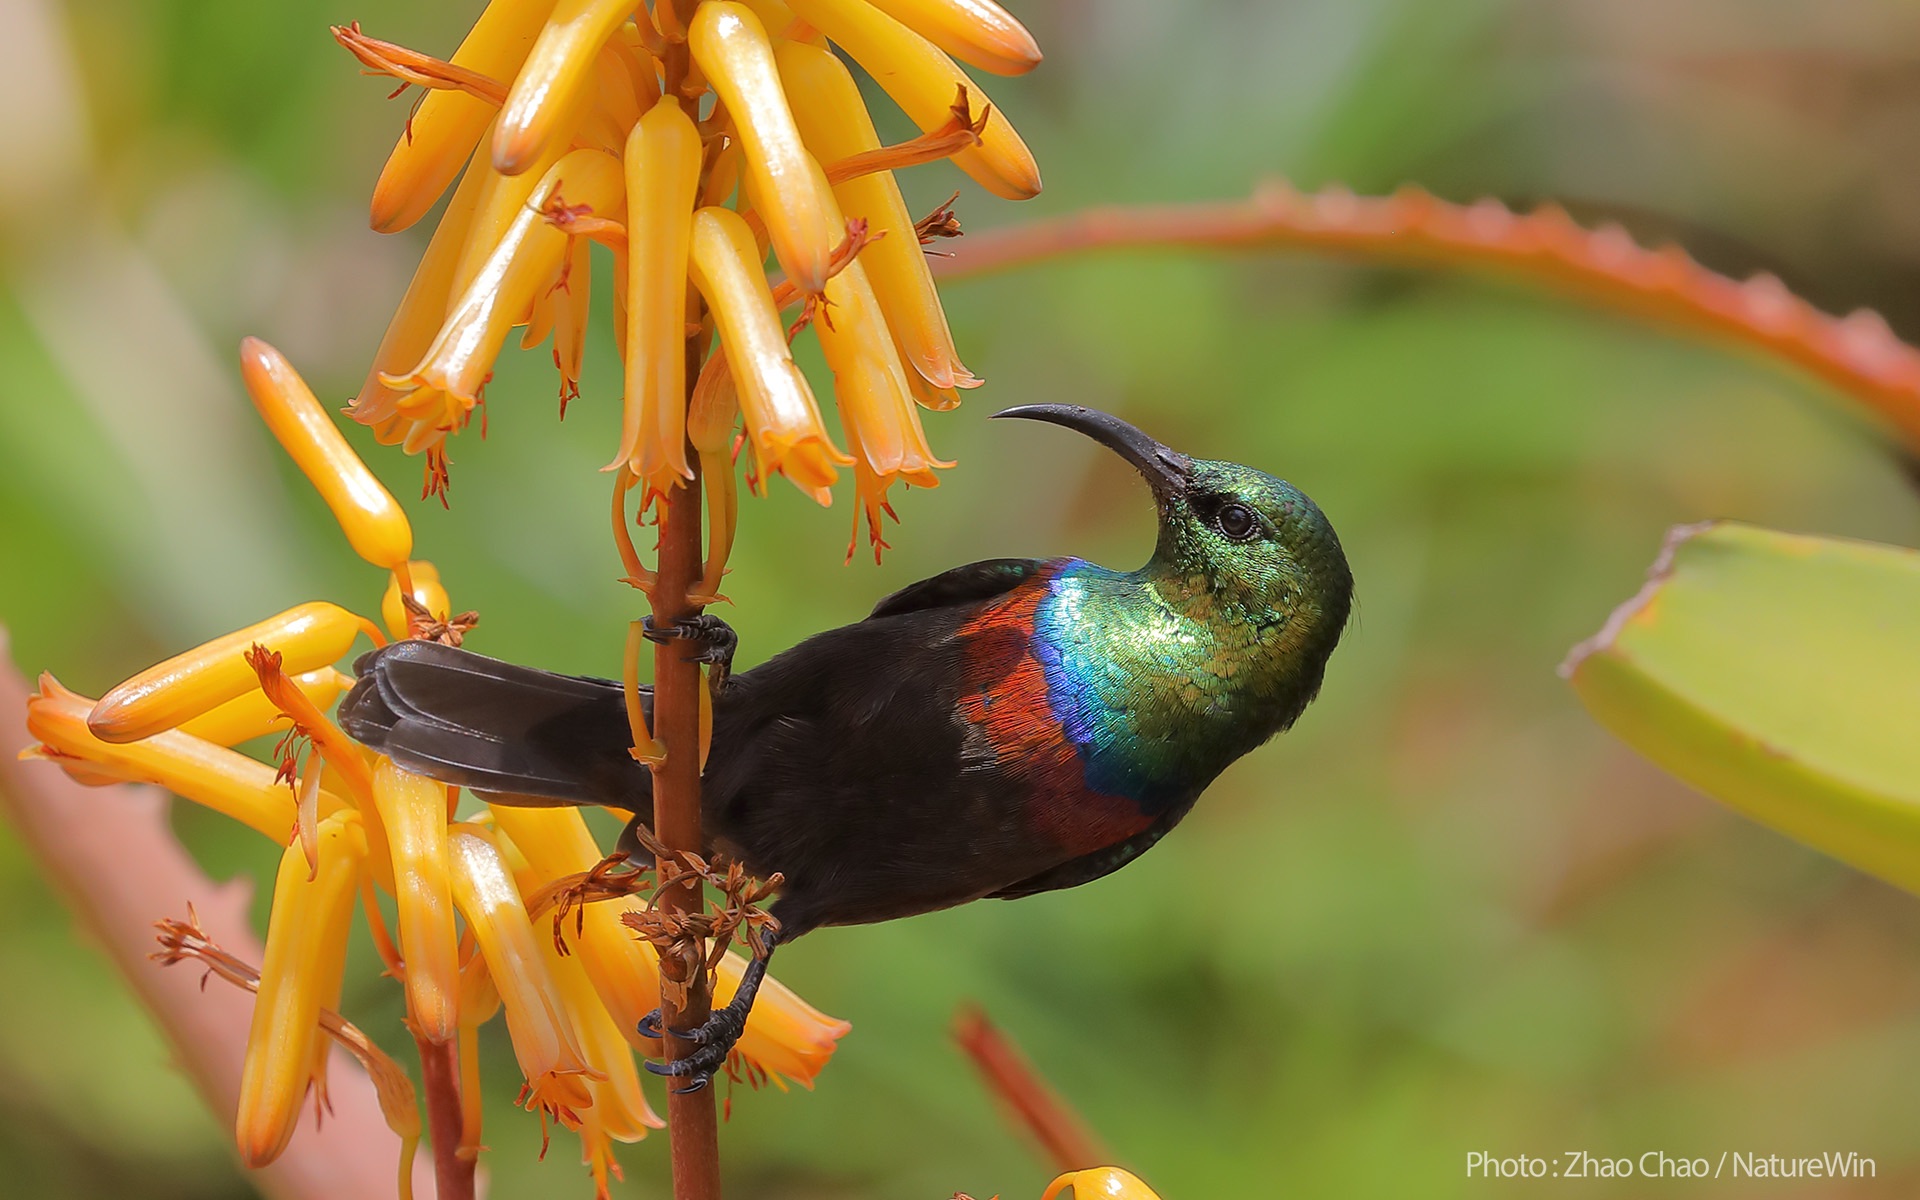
(1005, 728)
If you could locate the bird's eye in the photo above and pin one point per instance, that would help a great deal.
(1237, 522)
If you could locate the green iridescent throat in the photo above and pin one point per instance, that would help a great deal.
(1166, 674)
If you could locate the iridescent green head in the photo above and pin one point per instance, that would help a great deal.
(1246, 553)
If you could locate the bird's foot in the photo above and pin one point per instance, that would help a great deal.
(712, 1042)
(717, 639)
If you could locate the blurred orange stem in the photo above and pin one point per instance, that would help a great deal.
(1069, 1144)
(1857, 353)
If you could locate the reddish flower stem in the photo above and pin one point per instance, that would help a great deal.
(1857, 353)
(440, 1081)
(693, 1129)
(1063, 1135)
(692, 1124)
(691, 1121)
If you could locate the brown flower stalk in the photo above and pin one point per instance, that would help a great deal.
(415, 68)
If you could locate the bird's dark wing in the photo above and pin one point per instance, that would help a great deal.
(1089, 867)
(962, 585)
(477, 722)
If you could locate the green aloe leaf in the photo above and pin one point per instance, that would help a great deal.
(1780, 674)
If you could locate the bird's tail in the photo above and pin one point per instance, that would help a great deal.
(522, 735)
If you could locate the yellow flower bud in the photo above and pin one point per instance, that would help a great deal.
(413, 809)
(1100, 1183)
(306, 943)
(443, 131)
(368, 514)
(186, 685)
(663, 173)
(834, 120)
(198, 770)
(921, 79)
(427, 592)
(537, 114)
(253, 715)
(781, 415)
(979, 32)
(731, 46)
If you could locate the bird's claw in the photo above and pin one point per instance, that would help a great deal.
(717, 638)
(713, 1041)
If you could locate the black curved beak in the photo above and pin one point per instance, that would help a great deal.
(1167, 470)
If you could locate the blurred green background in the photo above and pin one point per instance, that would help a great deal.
(1445, 914)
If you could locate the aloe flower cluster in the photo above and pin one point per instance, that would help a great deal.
(722, 155)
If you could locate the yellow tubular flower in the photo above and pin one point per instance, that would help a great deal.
(617, 1099)
(253, 715)
(543, 1041)
(921, 79)
(1100, 1183)
(731, 46)
(223, 780)
(414, 810)
(785, 1035)
(502, 201)
(306, 940)
(443, 131)
(781, 416)
(418, 318)
(663, 173)
(876, 404)
(979, 32)
(624, 971)
(642, 68)
(556, 72)
(186, 685)
(928, 396)
(835, 123)
(446, 384)
(428, 592)
(368, 514)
